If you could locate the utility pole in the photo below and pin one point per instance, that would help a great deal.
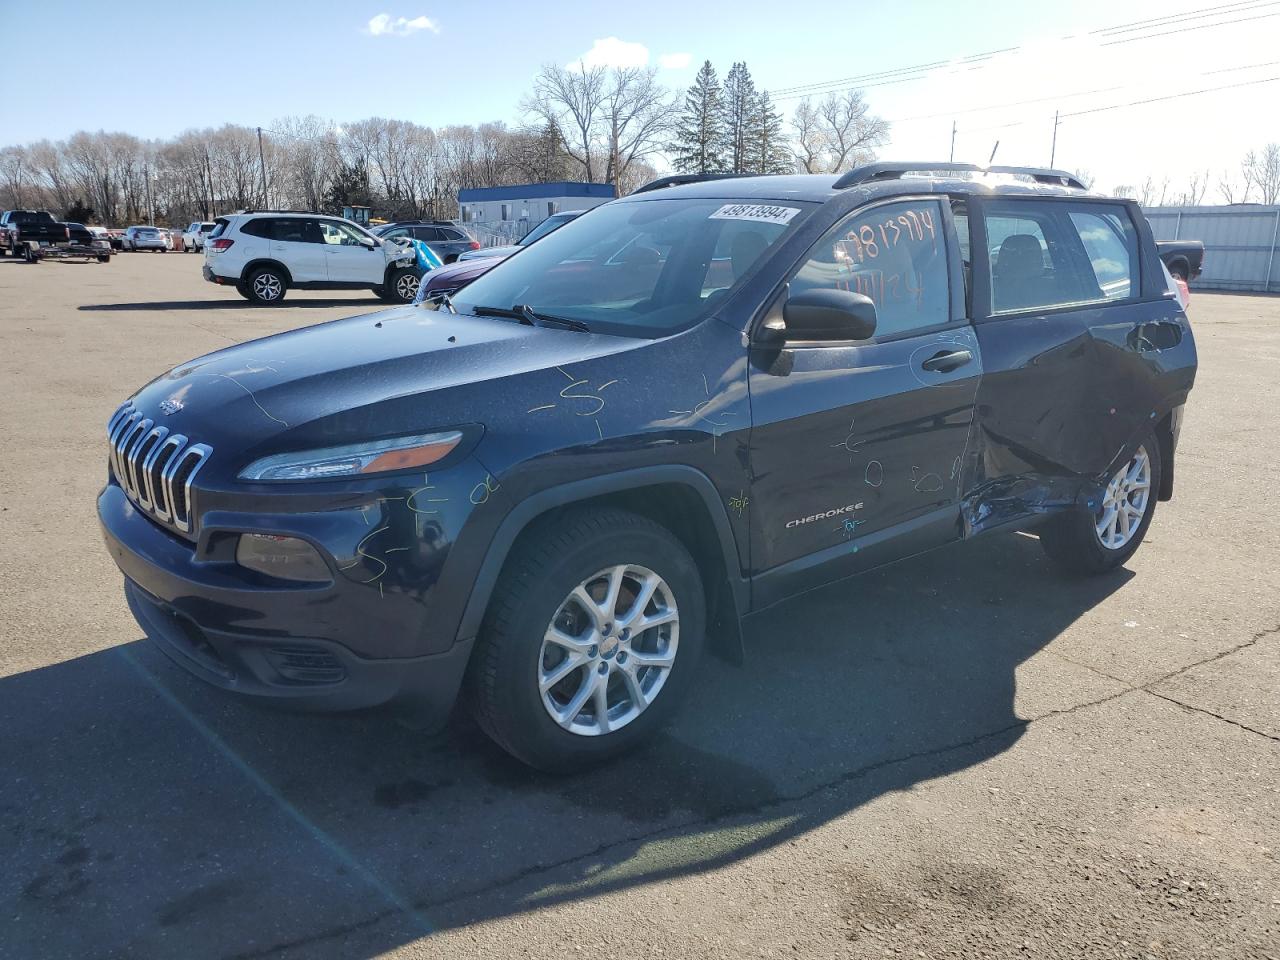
(953, 141)
(262, 164)
(151, 207)
(991, 159)
(1053, 151)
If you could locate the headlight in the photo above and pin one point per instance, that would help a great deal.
(378, 456)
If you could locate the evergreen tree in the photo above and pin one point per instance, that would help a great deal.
(700, 141)
(770, 151)
(350, 187)
(740, 103)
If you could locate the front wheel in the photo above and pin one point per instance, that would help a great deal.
(591, 640)
(403, 286)
(265, 287)
(1093, 541)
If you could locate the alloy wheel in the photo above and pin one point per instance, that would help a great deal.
(609, 650)
(407, 287)
(1124, 502)
(266, 286)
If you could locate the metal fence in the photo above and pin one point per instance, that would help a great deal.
(1239, 243)
(497, 233)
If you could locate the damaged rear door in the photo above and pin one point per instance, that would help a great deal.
(1044, 420)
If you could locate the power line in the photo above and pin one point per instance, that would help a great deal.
(1173, 96)
(978, 60)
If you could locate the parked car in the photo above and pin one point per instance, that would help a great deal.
(450, 279)
(117, 238)
(553, 222)
(24, 232)
(264, 254)
(704, 398)
(445, 239)
(87, 242)
(144, 238)
(194, 236)
(1184, 258)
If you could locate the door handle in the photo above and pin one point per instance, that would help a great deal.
(947, 360)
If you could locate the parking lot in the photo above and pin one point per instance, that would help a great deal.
(964, 755)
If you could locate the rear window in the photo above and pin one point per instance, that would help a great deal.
(220, 227)
(206, 227)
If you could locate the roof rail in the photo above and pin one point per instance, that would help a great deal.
(680, 179)
(896, 170)
(266, 210)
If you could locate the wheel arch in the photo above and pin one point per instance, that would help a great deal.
(260, 262)
(680, 498)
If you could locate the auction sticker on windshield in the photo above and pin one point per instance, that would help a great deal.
(763, 212)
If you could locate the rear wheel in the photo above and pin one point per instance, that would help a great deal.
(265, 286)
(591, 640)
(1093, 541)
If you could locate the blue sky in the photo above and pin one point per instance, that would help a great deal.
(163, 67)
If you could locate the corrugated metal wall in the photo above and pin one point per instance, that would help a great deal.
(1239, 243)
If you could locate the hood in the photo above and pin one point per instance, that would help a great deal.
(498, 253)
(376, 375)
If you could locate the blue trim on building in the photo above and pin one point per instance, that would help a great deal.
(536, 191)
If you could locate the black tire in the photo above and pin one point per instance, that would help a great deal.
(29, 254)
(402, 286)
(1072, 542)
(259, 283)
(550, 560)
(104, 259)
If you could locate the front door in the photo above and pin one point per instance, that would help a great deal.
(350, 258)
(858, 449)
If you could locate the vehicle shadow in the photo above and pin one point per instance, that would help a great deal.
(237, 304)
(144, 814)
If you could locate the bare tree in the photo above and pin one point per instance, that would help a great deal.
(637, 112)
(572, 98)
(1194, 193)
(1263, 171)
(1229, 188)
(837, 134)
(1124, 190)
(853, 133)
(810, 144)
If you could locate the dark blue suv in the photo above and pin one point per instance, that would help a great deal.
(553, 491)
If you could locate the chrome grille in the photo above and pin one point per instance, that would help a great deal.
(153, 466)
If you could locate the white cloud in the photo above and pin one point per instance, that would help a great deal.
(386, 25)
(612, 52)
(674, 61)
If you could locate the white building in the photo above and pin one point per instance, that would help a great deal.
(529, 203)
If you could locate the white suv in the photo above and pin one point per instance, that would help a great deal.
(263, 254)
(193, 237)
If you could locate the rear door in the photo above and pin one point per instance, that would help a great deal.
(858, 448)
(295, 242)
(1051, 415)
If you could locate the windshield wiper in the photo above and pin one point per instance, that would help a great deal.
(526, 314)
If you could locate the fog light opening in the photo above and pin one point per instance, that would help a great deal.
(285, 558)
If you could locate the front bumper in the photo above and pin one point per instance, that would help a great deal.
(304, 645)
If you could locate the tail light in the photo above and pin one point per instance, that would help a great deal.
(67, 231)
(220, 244)
(475, 244)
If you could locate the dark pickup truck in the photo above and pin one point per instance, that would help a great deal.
(1182, 257)
(22, 232)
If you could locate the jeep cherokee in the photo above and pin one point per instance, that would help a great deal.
(706, 397)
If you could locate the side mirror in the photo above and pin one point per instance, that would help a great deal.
(826, 314)
(369, 242)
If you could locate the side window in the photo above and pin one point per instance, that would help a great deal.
(331, 231)
(289, 230)
(1112, 246)
(256, 228)
(893, 253)
(429, 234)
(1046, 254)
(397, 232)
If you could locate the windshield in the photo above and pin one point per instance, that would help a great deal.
(638, 269)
